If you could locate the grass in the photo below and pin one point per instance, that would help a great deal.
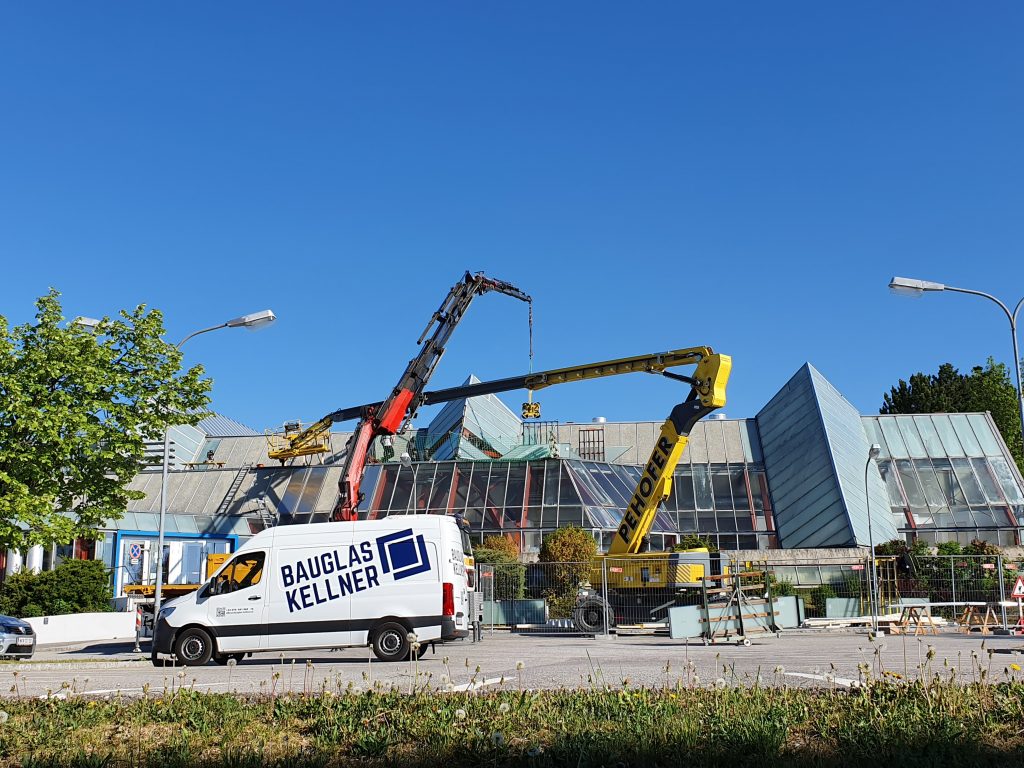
(884, 722)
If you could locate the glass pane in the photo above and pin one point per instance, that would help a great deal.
(290, 502)
(932, 443)
(948, 483)
(533, 516)
(932, 490)
(915, 445)
(570, 516)
(720, 487)
(514, 496)
(423, 475)
(1006, 480)
(442, 488)
(683, 485)
(726, 521)
(744, 522)
(496, 491)
(549, 517)
(403, 490)
(947, 435)
(311, 491)
(988, 481)
(551, 482)
(874, 434)
(911, 486)
(534, 484)
(892, 485)
(702, 486)
(706, 522)
(478, 487)
(969, 484)
(688, 522)
(567, 494)
(757, 482)
(370, 476)
(983, 431)
(739, 489)
(963, 431)
(893, 438)
(463, 472)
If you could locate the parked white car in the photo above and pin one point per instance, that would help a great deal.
(17, 638)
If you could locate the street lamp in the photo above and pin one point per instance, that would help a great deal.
(873, 452)
(916, 288)
(251, 321)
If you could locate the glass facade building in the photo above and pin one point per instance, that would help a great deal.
(795, 476)
(948, 477)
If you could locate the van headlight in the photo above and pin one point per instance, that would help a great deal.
(165, 612)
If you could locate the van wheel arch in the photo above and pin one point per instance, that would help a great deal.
(211, 631)
(387, 620)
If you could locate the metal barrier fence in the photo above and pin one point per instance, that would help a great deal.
(624, 594)
(947, 583)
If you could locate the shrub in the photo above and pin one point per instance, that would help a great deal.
(780, 587)
(571, 550)
(504, 544)
(820, 594)
(693, 541)
(949, 548)
(74, 586)
(509, 573)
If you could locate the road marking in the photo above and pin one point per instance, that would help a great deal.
(61, 695)
(843, 681)
(480, 684)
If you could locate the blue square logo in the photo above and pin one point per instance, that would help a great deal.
(402, 554)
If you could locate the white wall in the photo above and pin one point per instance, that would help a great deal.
(83, 627)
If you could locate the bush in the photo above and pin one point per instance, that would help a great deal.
(819, 595)
(504, 544)
(693, 541)
(74, 586)
(509, 573)
(780, 587)
(573, 551)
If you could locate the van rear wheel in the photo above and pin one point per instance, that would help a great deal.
(193, 647)
(390, 642)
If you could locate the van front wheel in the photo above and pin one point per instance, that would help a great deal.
(390, 642)
(193, 647)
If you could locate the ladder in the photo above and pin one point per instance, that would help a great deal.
(229, 497)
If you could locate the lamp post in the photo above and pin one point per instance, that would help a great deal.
(251, 321)
(910, 287)
(873, 452)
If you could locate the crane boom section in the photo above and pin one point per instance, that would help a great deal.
(656, 362)
(655, 484)
(407, 395)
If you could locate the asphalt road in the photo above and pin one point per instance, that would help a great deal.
(798, 658)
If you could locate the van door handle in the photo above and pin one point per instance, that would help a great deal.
(255, 597)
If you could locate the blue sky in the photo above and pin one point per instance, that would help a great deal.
(743, 175)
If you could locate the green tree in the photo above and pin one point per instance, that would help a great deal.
(570, 552)
(987, 388)
(504, 543)
(76, 408)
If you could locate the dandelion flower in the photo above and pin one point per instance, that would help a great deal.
(498, 739)
(3, 717)
(449, 687)
(520, 665)
(1015, 667)
(460, 714)
(720, 683)
(504, 707)
(780, 670)
(534, 751)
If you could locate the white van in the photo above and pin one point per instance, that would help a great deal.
(328, 585)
